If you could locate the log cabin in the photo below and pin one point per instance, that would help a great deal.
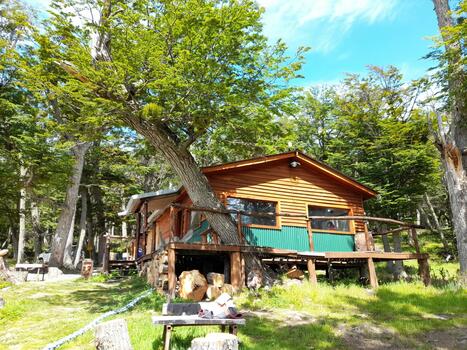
(286, 206)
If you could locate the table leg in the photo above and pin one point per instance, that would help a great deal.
(223, 328)
(166, 336)
(233, 329)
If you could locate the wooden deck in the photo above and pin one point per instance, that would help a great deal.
(311, 259)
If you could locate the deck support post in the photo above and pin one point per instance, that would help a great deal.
(372, 273)
(312, 272)
(424, 271)
(172, 277)
(236, 270)
(239, 228)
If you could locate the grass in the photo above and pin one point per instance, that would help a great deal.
(38, 313)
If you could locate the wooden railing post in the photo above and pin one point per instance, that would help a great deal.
(172, 223)
(367, 236)
(310, 235)
(239, 228)
(105, 265)
(413, 233)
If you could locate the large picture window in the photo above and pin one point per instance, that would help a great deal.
(329, 225)
(255, 206)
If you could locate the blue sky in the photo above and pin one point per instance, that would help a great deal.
(347, 35)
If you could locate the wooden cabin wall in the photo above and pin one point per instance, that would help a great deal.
(293, 188)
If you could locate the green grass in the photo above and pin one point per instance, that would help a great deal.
(38, 313)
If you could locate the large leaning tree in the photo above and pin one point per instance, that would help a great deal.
(452, 139)
(174, 70)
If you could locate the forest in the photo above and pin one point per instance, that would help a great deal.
(80, 125)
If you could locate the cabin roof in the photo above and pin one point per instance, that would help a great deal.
(160, 199)
(303, 159)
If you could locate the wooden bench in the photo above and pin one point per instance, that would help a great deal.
(187, 315)
(39, 268)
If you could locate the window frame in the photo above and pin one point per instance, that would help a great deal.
(332, 206)
(277, 202)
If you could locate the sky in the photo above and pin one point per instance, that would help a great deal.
(347, 35)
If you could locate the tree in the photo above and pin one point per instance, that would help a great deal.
(452, 143)
(174, 70)
(374, 129)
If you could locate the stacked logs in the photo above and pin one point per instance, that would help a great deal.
(194, 286)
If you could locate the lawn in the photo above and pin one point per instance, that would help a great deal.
(295, 317)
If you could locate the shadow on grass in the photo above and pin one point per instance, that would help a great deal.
(108, 296)
(262, 334)
(412, 314)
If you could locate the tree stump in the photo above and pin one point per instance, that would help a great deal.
(113, 335)
(215, 341)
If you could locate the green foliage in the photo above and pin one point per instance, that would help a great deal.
(373, 129)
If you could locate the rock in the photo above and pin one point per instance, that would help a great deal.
(53, 272)
(228, 288)
(215, 341)
(216, 279)
(213, 292)
(3, 252)
(293, 282)
(193, 285)
(295, 273)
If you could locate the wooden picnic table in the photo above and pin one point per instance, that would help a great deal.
(31, 267)
(169, 322)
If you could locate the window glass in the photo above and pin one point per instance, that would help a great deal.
(255, 206)
(329, 225)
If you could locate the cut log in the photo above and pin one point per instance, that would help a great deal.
(295, 273)
(113, 335)
(193, 285)
(216, 279)
(215, 341)
(213, 292)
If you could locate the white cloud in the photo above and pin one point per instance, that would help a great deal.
(321, 24)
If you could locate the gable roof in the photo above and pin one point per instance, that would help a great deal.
(303, 159)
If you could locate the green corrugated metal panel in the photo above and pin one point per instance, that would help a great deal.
(289, 237)
(329, 242)
(296, 238)
(195, 238)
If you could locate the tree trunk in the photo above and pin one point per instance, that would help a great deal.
(195, 183)
(453, 147)
(22, 215)
(387, 248)
(436, 227)
(399, 271)
(36, 229)
(68, 253)
(82, 225)
(66, 216)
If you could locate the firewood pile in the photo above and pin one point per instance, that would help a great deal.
(193, 285)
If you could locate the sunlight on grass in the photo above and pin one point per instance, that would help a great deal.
(39, 313)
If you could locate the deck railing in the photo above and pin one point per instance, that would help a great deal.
(403, 226)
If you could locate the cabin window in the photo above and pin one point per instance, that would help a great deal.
(254, 206)
(329, 225)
